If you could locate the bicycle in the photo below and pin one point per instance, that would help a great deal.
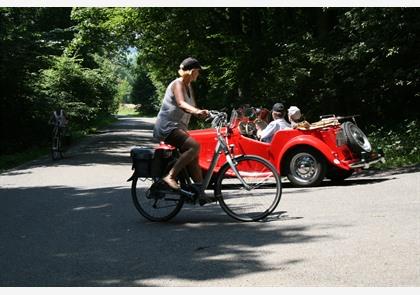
(57, 142)
(247, 187)
(59, 122)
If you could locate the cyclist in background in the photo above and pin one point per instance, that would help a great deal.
(59, 118)
(59, 121)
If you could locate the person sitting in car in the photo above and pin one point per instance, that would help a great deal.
(279, 123)
(296, 119)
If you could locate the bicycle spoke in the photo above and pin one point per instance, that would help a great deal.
(260, 197)
(155, 204)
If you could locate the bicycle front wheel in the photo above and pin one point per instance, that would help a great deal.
(252, 196)
(156, 203)
(56, 152)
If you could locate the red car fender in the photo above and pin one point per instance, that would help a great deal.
(279, 148)
(207, 139)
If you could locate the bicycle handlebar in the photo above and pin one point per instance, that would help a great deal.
(219, 118)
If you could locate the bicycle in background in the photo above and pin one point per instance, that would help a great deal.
(59, 121)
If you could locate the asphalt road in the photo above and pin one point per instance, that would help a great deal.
(72, 223)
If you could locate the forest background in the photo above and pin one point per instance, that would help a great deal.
(87, 61)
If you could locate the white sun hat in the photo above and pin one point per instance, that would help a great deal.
(294, 113)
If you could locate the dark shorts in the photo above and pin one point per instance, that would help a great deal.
(177, 138)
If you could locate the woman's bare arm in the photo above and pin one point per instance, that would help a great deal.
(182, 104)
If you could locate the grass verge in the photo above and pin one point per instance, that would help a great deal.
(16, 159)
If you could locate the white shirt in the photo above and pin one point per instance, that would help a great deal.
(274, 126)
(60, 118)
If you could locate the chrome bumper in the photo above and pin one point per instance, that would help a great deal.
(368, 159)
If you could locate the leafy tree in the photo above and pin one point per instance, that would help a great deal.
(28, 37)
(325, 60)
(84, 93)
(144, 94)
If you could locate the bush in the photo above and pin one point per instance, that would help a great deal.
(400, 144)
(82, 92)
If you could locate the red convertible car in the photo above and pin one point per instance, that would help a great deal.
(328, 148)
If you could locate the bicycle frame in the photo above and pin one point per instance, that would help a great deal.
(222, 146)
(229, 194)
(56, 133)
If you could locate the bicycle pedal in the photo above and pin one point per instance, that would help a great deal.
(206, 200)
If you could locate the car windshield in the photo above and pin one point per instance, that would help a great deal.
(233, 118)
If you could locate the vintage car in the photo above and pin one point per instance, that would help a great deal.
(331, 148)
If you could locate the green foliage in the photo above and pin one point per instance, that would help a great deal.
(28, 37)
(144, 94)
(400, 144)
(83, 93)
(127, 110)
(324, 60)
(335, 60)
(36, 77)
(377, 69)
(123, 92)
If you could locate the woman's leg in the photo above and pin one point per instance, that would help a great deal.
(195, 171)
(190, 150)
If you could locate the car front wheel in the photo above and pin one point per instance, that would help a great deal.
(305, 167)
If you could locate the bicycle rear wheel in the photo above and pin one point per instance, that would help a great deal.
(156, 203)
(256, 201)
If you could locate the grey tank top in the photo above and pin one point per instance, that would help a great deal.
(170, 116)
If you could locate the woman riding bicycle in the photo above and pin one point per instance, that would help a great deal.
(172, 123)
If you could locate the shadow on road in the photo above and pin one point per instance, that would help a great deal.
(71, 236)
(347, 182)
(63, 236)
(388, 172)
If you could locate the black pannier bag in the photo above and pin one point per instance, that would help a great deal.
(142, 160)
(150, 162)
(160, 161)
